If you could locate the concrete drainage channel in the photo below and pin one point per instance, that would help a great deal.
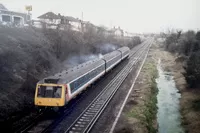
(89, 116)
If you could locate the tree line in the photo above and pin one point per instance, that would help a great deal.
(187, 46)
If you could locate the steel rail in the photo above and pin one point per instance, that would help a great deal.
(31, 123)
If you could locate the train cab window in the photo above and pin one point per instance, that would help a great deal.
(57, 92)
(41, 91)
(49, 91)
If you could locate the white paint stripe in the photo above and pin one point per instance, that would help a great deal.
(124, 103)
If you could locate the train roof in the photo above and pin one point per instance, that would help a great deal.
(67, 76)
(111, 55)
(124, 49)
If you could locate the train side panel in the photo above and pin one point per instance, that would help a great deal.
(82, 82)
(112, 59)
(125, 52)
(113, 62)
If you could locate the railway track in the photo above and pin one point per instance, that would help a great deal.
(98, 104)
(31, 123)
(54, 124)
(90, 115)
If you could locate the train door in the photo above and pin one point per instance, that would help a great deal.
(66, 94)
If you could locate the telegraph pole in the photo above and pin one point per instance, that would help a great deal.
(82, 16)
(82, 22)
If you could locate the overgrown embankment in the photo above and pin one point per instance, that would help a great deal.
(139, 114)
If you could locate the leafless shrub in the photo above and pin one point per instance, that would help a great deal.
(187, 45)
(134, 41)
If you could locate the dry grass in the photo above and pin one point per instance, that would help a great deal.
(190, 110)
(140, 106)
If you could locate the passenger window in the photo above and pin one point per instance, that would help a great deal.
(85, 78)
(75, 85)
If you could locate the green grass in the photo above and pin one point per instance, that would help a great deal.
(135, 114)
(147, 113)
(151, 108)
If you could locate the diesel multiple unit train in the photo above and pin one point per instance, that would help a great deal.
(59, 89)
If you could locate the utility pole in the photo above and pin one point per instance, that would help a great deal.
(82, 22)
(82, 16)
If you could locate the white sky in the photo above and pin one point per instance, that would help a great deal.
(131, 15)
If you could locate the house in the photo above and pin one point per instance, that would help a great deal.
(2, 7)
(52, 20)
(118, 32)
(75, 23)
(8, 17)
(128, 34)
(88, 27)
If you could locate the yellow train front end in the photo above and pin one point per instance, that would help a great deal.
(50, 95)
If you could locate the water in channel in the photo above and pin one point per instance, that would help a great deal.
(168, 115)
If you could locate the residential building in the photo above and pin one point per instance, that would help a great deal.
(88, 27)
(75, 23)
(49, 20)
(52, 20)
(8, 17)
(118, 32)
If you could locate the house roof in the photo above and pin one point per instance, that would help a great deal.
(2, 7)
(49, 15)
(69, 18)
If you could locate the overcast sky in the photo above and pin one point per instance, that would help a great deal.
(131, 15)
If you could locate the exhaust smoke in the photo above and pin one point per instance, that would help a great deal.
(74, 60)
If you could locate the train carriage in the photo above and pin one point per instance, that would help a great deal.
(68, 84)
(59, 89)
(112, 59)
